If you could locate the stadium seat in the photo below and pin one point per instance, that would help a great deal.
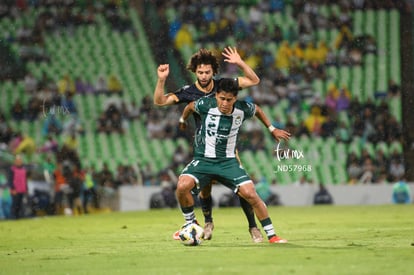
(265, 161)
(313, 175)
(369, 22)
(304, 143)
(339, 174)
(382, 146)
(340, 151)
(396, 146)
(317, 86)
(382, 74)
(395, 48)
(344, 117)
(369, 77)
(333, 74)
(102, 143)
(396, 108)
(356, 82)
(369, 146)
(327, 153)
(283, 178)
(325, 174)
(354, 147)
(358, 23)
(248, 161)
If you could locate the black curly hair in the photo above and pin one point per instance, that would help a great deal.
(203, 56)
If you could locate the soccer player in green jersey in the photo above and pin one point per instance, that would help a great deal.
(215, 152)
(205, 65)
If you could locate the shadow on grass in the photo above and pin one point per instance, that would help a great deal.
(285, 246)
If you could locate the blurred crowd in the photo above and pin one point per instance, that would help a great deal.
(57, 180)
(291, 56)
(288, 59)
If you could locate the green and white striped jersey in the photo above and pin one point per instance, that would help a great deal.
(218, 133)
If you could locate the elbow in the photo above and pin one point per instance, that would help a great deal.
(163, 100)
(158, 102)
(258, 109)
(252, 82)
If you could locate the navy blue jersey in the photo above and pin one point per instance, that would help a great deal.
(191, 93)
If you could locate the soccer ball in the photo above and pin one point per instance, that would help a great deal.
(191, 234)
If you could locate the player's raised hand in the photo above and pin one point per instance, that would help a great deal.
(163, 71)
(231, 55)
(182, 125)
(279, 134)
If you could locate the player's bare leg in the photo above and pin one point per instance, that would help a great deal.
(185, 199)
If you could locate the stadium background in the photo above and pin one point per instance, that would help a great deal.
(132, 47)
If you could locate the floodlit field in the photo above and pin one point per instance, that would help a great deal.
(322, 240)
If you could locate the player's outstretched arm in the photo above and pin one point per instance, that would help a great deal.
(188, 110)
(249, 78)
(161, 99)
(278, 134)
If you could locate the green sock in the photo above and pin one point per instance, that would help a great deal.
(248, 211)
(268, 227)
(207, 208)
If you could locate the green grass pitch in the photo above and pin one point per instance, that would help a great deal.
(322, 240)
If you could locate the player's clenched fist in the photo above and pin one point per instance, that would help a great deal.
(163, 71)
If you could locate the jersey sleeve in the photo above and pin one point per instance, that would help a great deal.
(181, 95)
(249, 109)
(199, 105)
(202, 105)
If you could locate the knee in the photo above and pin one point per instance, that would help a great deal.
(181, 188)
(250, 196)
(185, 184)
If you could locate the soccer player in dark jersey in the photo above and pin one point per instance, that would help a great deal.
(215, 158)
(205, 66)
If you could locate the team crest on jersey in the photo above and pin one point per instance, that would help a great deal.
(213, 117)
(211, 125)
(237, 120)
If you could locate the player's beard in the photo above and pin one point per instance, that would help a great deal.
(206, 83)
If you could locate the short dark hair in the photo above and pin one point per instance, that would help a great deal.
(228, 85)
(203, 56)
